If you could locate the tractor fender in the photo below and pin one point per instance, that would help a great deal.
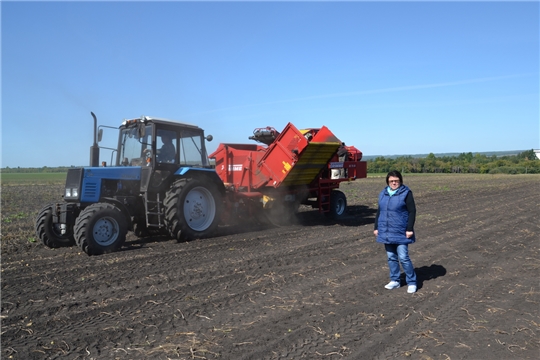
(203, 175)
(122, 208)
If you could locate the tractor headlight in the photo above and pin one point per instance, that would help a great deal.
(71, 193)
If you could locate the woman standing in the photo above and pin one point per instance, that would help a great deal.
(394, 227)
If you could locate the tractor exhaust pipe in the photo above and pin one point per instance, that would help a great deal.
(94, 149)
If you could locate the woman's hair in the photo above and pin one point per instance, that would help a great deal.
(394, 173)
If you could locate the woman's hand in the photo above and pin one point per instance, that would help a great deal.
(409, 234)
(376, 232)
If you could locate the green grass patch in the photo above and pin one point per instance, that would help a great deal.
(33, 178)
(9, 219)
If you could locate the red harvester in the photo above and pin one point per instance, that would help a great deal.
(294, 167)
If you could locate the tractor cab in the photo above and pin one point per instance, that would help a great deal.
(161, 148)
(159, 143)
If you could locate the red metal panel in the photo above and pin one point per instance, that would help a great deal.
(325, 135)
(281, 157)
(355, 169)
(236, 164)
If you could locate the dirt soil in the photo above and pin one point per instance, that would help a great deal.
(312, 290)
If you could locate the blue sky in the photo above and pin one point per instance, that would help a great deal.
(390, 78)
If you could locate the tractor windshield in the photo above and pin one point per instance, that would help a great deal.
(134, 146)
(192, 152)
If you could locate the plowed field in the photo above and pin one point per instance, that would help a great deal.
(312, 290)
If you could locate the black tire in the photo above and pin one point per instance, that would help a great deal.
(338, 205)
(100, 228)
(50, 234)
(192, 209)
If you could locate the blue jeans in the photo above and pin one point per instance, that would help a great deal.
(396, 254)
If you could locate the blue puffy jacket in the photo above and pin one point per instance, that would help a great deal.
(393, 217)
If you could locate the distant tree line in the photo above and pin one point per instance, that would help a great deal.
(523, 163)
(32, 170)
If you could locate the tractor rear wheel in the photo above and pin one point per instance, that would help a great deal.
(338, 205)
(100, 228)
(50, 233)
(192, 209)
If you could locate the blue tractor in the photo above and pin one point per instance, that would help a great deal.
(161, 182)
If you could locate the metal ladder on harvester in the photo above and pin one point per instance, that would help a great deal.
(324, 196)
(153, 208)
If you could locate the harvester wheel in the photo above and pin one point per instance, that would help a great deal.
(338, 205)
(49, 233)
(100, 228)
(192, 209)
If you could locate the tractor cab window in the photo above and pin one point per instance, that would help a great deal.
(191, 149)
(166, 146)
(134, 146)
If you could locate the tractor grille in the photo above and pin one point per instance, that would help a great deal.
(90, 190)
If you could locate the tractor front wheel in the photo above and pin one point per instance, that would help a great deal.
(53, 235)
(192, 209)
(100, 228)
